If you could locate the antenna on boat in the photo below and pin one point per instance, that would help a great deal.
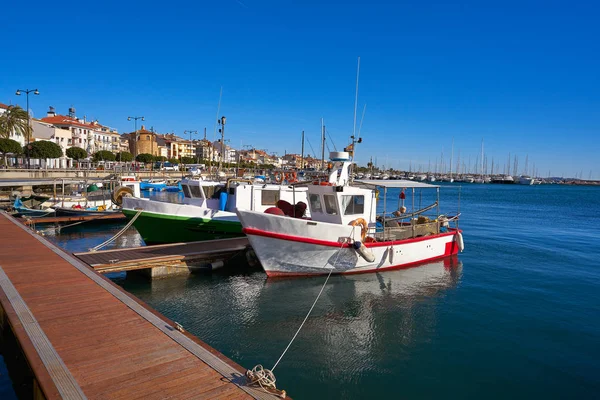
(354, 127)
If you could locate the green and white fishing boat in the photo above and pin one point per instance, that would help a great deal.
(208, 210)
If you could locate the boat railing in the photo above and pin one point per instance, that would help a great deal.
(416, 227)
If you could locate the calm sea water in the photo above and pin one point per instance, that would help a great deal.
(516, 315)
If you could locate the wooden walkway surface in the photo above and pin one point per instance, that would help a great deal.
(144, 256)
(84, 337)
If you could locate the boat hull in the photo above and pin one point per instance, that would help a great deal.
(287, 247)
(161, 222)
(68, 212)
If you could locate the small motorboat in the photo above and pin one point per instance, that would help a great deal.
(156, 185)
(22, 211)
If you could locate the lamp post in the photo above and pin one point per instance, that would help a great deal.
(135, 136)
(195, 133)
(18, 93)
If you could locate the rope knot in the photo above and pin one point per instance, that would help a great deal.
(265, 379)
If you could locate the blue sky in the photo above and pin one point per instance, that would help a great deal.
(524, 76)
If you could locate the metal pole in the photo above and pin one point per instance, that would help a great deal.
(322, 145)
(135, 140)
(302, 157)
(412, 219)
(28, 130)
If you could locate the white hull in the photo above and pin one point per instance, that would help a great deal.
(288, 246)
(176, 210)
(526, 181)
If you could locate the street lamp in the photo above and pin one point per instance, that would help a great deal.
(135, 136)
(18, 93)
(222, 130)
(195, 133)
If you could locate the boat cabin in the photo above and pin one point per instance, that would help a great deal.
(239, 193)
(337, 200)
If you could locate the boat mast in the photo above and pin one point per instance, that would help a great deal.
(481, 172)
(322, 145)
(451, 157)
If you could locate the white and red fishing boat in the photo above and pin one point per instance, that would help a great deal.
(346, 235)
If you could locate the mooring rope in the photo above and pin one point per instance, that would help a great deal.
(112, 239)
(265, 377)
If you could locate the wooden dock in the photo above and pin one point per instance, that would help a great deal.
(73, 218)
(85, 337)
(172, 255)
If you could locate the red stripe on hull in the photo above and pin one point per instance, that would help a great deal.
(277, 274)
(328, 243)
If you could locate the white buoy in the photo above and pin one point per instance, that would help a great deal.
(364, 252)
(460, 242)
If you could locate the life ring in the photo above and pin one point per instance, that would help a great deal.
(120, 192)
(278, 177)
(364, 227)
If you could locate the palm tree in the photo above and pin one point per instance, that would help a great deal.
(16, 120)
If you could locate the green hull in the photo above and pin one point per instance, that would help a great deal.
(162, 228)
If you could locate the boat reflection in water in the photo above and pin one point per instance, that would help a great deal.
(363, 328)
(362, 324)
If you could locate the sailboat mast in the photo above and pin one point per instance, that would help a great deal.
(481, 172)
(451, 157)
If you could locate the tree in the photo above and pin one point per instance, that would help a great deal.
(14, 120)
(173, 160)
(43, 149)
(124, 156)
(76, 153)
(104, 155)
(9, 146)
(144, 158)
(188, 160)
(160, 158)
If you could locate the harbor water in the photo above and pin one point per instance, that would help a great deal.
(516, 315)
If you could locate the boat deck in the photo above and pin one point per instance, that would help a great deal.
(84, 337)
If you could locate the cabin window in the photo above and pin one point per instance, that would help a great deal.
(353, 205)
(315, 203)
(269, 197)
(196, 191)
(186, 191)
(330, 205)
